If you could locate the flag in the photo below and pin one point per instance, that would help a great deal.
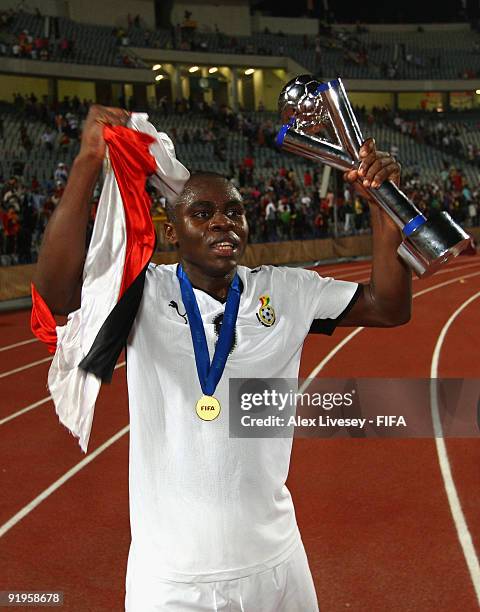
(122, 244)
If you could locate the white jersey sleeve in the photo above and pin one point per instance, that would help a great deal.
(321, 301)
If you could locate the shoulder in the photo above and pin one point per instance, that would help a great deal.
(161, 276)
(288, 274)
(161, 270)
(279, 276)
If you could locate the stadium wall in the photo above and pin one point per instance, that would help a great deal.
(379, 99)
(84, 90)
(61, 70)
(84, 72)
(23, 85)
(267, 86)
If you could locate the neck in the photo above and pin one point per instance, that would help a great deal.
(217, 285)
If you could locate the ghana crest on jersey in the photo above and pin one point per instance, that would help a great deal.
(266, 313)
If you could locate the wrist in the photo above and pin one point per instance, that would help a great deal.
(382, 221)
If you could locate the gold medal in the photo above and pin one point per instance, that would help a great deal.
(208, 408)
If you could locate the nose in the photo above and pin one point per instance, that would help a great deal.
(220, 221)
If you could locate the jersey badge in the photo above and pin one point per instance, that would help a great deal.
(266, 313)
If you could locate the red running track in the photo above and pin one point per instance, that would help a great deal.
(374, 514)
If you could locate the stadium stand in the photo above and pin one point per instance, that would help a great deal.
(37, 145)
(359, 55)
(33, 36)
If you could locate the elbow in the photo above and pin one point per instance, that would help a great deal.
(402, 320)
(57, 305)
(398, 318)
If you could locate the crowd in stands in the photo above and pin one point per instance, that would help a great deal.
(281, 203)
(430, 128)
(43, 110)
(279, 206)
(49, 42)
(24, 45)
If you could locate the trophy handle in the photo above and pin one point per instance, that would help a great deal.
(315, 148)
(344, 122)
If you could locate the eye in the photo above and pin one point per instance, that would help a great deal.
(201, 214)
(235, 212)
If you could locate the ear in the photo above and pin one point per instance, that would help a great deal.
(170, 233)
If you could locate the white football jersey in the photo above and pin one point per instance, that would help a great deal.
(204, 506)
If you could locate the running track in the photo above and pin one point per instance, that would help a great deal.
(380, 530)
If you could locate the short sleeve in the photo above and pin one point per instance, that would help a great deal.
(323, 300)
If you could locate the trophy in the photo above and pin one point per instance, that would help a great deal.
(319, 123)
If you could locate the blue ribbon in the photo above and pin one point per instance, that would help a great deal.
(210, 375)
(283, 131)
(412, 225)
(335, 84)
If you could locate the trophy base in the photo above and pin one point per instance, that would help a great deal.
(433, 244)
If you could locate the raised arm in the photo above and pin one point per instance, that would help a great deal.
(58, 274)
(386, 300)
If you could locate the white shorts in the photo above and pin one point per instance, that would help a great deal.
(288, 587)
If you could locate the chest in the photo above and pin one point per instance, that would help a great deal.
(266, 336)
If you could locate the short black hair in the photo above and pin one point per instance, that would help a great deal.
(172, 204)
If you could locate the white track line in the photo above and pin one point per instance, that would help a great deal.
(357, 330)
(12, 346)
(445, 270)
(461, 526)
(342, 268)
(24, 410)
(10, 417)
(25, 367)
(355, 273)
(368, 264)
(58, 483)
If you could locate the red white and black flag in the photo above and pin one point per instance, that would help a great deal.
(86, 349)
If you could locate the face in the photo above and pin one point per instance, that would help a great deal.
(210, 228)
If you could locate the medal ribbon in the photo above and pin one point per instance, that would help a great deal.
(210, 374)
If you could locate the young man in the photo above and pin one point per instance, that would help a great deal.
(213, 525)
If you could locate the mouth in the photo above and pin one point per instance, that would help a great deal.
(224, 248)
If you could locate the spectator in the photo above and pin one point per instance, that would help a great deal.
(48, 138)
(271, 221)
(307, 178)
(11, 228)
(358, 214)
(61, 173)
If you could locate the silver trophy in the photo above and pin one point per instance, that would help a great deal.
(319, 123)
